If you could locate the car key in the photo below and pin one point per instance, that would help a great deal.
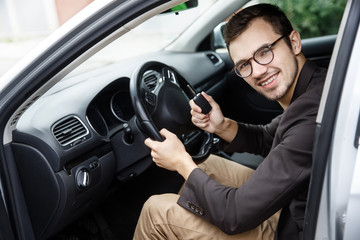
(200, 100)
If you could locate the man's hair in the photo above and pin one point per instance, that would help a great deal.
(271, 14)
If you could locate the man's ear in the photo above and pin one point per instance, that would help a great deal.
(295, 41)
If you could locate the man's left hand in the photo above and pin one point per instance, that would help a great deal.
(171, 154)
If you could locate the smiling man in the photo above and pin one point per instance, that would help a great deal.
(273, 75)
(225, 200)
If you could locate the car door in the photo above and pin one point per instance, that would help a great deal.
(333, 206)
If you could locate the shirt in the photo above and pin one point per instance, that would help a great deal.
(281, 181)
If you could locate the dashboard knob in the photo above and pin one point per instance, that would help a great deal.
(83, 178)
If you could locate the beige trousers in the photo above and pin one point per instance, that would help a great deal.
(162, 218)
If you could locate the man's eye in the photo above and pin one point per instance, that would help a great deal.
(264, 52)
(244, 65)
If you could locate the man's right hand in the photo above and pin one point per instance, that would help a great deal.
(208, 122)
(214, 121)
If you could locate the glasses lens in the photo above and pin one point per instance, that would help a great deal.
(264, 55)
(243, 69)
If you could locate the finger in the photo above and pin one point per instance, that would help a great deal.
(201, 125)
(147, 142)
(198, 115)
(150, 143)
(153, 155)
(166, 133)
(156, 162)
(200, 118)
(200, 121)
(194, 106)
(207, 97)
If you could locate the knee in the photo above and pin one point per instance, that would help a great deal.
(146, 225)
(154, 216)
(159, 204)
(149, 206)
(150, 203)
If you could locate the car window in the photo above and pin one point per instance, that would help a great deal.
(309, 18)
(152, 35)
(313, 18)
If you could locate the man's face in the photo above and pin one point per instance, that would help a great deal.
(272, 80)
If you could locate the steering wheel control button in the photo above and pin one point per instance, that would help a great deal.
(82, 178)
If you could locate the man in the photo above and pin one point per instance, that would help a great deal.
(222, 199)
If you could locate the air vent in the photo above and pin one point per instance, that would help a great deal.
(213, 58)
(151, 80)
(70, 131)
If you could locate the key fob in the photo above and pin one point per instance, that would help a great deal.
(202, 103)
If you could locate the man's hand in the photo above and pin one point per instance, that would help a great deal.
(214, 121)
(208, 122)
(171, 154)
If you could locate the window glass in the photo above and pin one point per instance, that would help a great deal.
(312, 18)
(152, 35)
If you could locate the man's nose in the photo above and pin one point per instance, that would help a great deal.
(258, 69)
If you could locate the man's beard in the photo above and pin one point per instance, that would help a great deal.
(288, 85)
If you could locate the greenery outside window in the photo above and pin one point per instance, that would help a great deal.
(313, 18)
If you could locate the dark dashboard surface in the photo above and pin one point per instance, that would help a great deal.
(100, 100)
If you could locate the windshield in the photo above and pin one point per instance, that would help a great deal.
(152, 35)
(159, 31)
(20, 33)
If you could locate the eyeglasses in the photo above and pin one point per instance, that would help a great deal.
(262, 56)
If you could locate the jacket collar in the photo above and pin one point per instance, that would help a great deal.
(304, 79)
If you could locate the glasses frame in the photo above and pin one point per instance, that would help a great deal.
(237, 71)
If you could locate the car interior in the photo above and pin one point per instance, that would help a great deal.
(80, 169)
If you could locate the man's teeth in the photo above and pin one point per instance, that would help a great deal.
(268, 81)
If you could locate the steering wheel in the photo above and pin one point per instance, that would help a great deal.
(160, 97)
